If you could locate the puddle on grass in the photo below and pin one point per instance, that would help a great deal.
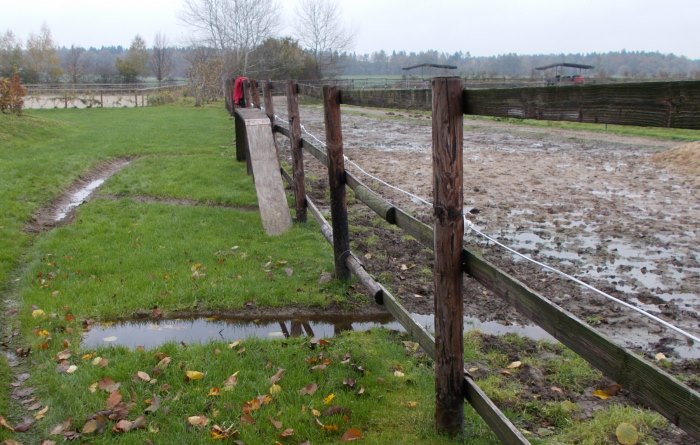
(155, 333)
(77, 198)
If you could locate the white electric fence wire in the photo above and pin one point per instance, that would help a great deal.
(471, 227)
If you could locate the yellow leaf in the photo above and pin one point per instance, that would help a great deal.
(7, 426)
(38, 313)
(275, 389)
(315, 412)
(601, 394)
(194, 375)
(514, 365)
(214, 392)
(71, 369)
(399, 374)
(93, 388)
(329, 399)
(660, 356)
(411, 404)
(42, 413)
(87, 356)
(197, 420)
(234, 344)
(42, 333)
(627, 434)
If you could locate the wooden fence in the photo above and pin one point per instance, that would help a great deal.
(645, 381)
(94, 95)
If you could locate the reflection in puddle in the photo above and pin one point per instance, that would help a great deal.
(155, 333)
(77, 198)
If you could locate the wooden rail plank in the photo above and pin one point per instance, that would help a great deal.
(649, 104)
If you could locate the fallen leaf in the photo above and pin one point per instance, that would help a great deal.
(215, 391)
(318, 367)
(613, 389)
(234, 344)
(335, 410)
(276, 423)
(399, 374)
(277, 377)
(61, 427)
(71, 369)
(309, 389)
(275, 389)
(41, 414)
(123, 426)
(349, 382)
(113, 400)
(7, 426)
(42, 333)
(328, 399)
(38, 313)
(331, 427)
(194, 375)
(411, 404)
(153, 405)
(627, 434)
(63, 355)
(514, 365)
(25, 425)
(139, 423)
(231, 381)
(197, 420)
(287, 433)
(361, 391)
(95, 425)
(351, 434)
(247, 419)
(601, 394)
(108, 385)
(143, 376)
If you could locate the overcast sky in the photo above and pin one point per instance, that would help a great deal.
(480, 27)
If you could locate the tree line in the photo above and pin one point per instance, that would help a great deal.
(242, 37)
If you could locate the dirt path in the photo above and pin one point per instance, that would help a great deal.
(594, 205)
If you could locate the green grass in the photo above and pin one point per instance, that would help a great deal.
(5, 378)
(405, 401)
(210, 178)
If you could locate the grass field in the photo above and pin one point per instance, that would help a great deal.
(178, 230)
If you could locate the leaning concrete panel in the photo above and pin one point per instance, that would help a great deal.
(272, 200)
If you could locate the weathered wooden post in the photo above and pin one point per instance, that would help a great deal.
(296, 148)
(247, 93)
(267, 100)
(336, 180)
(449, 229)
(254, 93)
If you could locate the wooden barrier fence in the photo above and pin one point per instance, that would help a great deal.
(645, 381)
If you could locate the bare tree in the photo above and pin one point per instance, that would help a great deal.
(204, 74)
(321, 31)
(161, 59)
(234, 27)
(73, 65)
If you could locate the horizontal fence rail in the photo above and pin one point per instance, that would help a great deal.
(646, 104)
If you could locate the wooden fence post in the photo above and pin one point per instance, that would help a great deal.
(247, 93)
(270, 112)
(449, 229)
(296, 148)
(336, 180)
(254, 93)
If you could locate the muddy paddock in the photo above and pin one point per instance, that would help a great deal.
(617, 212)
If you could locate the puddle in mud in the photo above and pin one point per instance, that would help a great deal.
(154, 333)
(60, 211)
(77, 198)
